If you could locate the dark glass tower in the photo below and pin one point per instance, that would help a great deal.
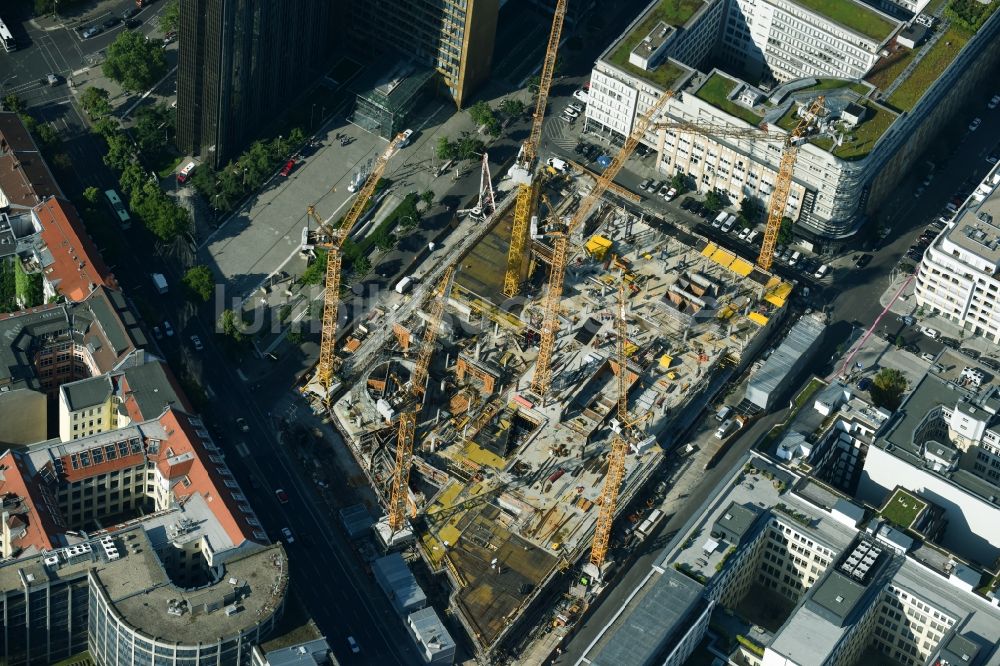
(241, 63)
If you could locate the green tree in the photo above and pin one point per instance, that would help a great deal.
(362, 265)
(887, 389)
(785, 236)
(714, 201)
(120, 153)
(132, 178)
(315, 272)
(153, 127)
(749, 210)
(28, 287)
(296, 138)
(469, 147)
(382, 239)
(8, 292)
(11, 102)
(899, 342)
(170, 16)
(446, 149)
(107, 126)
(158, 212)
(427, 197)
(199, 280)
(91, 194)
(96, 102)
(135, 63)
(481, 113)
(512, 107)
(679, 182)
(230, 325)
(47, 136)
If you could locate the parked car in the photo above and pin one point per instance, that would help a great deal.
(821, 271)
(196, 343)
(91, 31)
(581, 95)
(862, 261)
(644, 185)
(571, 112)
(281, 495)
(130, 12)
(111, 22)
(671, 194)
(241, 423)
(752, 236)
(994, 102)
(665, 191)
(744, 232)
(931, 333)
(287, 535)
(132, 23)
(168, 329)
(575, 107)
(157, 333)
(974, 125)
(354, 645)
(287, 169)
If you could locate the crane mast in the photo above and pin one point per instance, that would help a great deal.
(783, 184)
(619, 447)
(335, 235)
(541, 378)
(528, 188)
(408, 417)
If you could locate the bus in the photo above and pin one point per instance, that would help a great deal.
(119, 208)
(7, 38)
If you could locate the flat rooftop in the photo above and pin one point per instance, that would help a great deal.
(674, 13)
(650, 618)
(976, 227)
(855, 16)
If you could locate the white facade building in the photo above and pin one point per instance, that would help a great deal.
(840, 176)
(958, 276)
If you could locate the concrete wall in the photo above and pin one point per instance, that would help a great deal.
(973, 524)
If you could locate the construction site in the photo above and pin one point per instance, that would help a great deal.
(516, 402)
(504, 486)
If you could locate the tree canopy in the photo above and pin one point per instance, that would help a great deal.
(199, 280)
(888, 387)
(134, 62)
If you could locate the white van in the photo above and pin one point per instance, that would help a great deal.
(821, 271)
(795, 258)
(407, 137)
(724, 429)
(752, 236)
(728, 224)
(719, 219)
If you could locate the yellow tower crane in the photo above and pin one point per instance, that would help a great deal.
(541, 378)
(786, 169)
(408, 417)
(524, 170)
(619, 447)
(332, 238)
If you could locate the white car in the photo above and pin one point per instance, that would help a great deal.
(994, 102)
(571, 112)
(929, 332)
(287, 535)
(196, 343)
(743, 233)
(644, 185)
(671, 193)
(974, 125)
(575, 107)
(354, 645)
(582, 95)
(167, 328)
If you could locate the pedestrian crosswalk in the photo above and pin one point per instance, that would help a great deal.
(561, 133)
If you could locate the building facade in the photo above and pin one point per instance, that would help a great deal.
(455, 37)
(793, 51)
(959, 277)
(240, 64)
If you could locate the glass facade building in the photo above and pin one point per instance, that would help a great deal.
(240, 64)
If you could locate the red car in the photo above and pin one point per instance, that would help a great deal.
(287, 169)
(281, 495)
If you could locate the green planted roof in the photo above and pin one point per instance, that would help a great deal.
(672, 12)
(933, 63)
(853, 16)
(716, 92)
(903, 508)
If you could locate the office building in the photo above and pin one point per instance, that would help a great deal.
(959, 277)
(183, 572)
(801, 576)
(455, 37)
(761, 64)
(241, 63)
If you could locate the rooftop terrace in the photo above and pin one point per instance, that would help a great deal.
(716, 91)
(902, 508)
